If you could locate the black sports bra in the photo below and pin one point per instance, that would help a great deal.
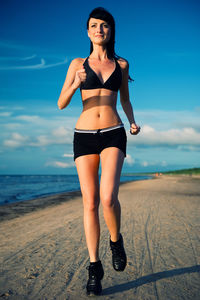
(93, 82)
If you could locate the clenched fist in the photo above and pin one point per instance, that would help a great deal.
(134, 129)
(80, 76)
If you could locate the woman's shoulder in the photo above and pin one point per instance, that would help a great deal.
(77, 61)
(123, 62)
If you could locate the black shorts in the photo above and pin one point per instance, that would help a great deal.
(94, 141)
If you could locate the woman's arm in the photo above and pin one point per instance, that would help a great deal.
(125, 99)
(75, 75)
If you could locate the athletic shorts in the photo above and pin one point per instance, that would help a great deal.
(94, 141)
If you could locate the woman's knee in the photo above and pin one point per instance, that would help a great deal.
(91, 202)
(109, 200)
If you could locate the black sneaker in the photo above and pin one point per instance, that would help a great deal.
(96, 274)
(118, 254)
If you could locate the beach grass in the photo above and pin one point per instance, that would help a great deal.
(192, 171)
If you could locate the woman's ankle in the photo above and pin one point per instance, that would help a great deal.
(96, 263)
(115, 238)
(93, 261)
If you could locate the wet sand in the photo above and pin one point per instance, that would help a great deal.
(44, 255)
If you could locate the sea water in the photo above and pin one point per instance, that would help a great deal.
(14, 188)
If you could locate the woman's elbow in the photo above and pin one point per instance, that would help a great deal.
(60, 104)
(124, 100)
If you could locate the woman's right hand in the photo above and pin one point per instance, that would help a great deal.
(80, 77)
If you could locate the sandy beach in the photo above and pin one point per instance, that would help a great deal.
(44, 256)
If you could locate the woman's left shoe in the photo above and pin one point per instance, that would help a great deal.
(119, 259)
(96, 274)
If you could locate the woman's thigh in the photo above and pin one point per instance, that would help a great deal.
(87, 168)
(112, 159)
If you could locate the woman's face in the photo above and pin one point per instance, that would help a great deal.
(99, 31)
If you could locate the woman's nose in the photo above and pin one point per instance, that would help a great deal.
(99, 28)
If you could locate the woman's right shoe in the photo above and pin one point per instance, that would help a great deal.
(119, 259)
(96, 274)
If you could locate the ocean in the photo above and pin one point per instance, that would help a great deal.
(15, 188)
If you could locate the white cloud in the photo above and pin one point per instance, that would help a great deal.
(16, 140)
(16, 58)
(188, 148)
(28, 118)
(51, 124)
(12, 126)
(28, 57)
(33, 61)
(60, 131)
(172, 137)
(59, 164)
(63, 137)
(18, 108)
(5, 114)
(147, 129)
(42, 140)
(18, 137)
(11, 107)
(11, 143)
(58, 136)
(68, 155)
(163, 120)
(36, 66)
(163, 163)
(144, 164)
(129, 160)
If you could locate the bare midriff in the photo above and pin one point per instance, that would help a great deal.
(99, 109)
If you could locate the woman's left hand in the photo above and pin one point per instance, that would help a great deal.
(134, 129)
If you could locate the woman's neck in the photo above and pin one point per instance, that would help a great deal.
(99, 52)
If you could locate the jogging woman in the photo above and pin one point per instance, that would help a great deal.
(100, 136)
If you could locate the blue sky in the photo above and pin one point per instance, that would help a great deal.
(38, 40)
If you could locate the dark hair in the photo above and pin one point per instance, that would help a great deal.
(102, 14)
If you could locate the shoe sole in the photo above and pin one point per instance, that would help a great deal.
(119, 270)
(92, 294)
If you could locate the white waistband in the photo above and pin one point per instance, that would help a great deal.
(98, 130)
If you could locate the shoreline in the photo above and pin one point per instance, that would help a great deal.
(16, 209)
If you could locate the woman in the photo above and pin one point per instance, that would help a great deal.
(100, 136)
